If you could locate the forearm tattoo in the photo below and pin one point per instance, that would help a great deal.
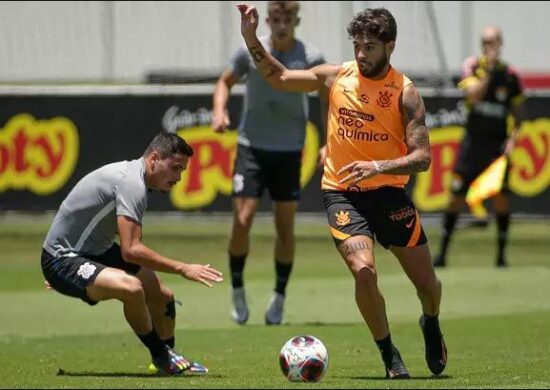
(266, 68)
(352, 247)
(256, 54)
(417, 138)
(272, 71)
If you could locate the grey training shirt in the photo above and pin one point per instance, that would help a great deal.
(274, 120)
(86, 220)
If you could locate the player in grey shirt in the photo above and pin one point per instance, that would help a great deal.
(80, 257)
(270, 141)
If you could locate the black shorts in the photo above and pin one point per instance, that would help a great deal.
(472, 161)
(71, 275)
(255, 170)
(386, 213)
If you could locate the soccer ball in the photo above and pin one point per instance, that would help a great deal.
(303, 359)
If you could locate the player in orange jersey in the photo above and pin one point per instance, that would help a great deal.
(376, 138)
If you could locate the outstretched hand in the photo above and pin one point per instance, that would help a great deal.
(204, 274)
(249, 19)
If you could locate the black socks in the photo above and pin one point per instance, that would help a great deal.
(236, 266)
(283, 273)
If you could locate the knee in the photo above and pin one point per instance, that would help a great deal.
(429, 286)
(132, 288)
(159, 295)
(365, 274)
(166, 294)
(243, 220)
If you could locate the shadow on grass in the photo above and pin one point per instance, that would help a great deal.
(423, 378)
(306, 323)
(128, 375)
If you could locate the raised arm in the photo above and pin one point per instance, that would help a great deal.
(275, 73)
(475, 85)
(418, 156)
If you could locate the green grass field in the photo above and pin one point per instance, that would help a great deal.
(495, 321)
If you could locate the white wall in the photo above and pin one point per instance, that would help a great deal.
(122, 41)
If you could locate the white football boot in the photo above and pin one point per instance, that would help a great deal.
(239, 311)
(274, 313)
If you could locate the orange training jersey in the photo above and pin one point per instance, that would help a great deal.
(364, 123)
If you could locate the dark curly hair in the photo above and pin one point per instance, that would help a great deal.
(376, 22)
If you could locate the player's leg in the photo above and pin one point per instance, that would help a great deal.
(244, 210)
(450, 218)
(161, 305)
(353, 237)
(114, 283)
(284, 214)
(93, 281)
(416, 263)
(501, 205)
(168, 361)
(464, 171)
(283, 182)
(358, 253)
(398, 227)
(248, 187)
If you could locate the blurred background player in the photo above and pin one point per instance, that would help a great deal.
(492, 91)
(376, 138)
(270, 142)
(81, 259)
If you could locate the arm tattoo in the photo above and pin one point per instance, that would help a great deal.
(418, 158)
(256, 54)
(266, 69)
(349, 248)
(272, 71)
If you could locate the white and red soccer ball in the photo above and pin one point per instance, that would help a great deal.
(304, 359)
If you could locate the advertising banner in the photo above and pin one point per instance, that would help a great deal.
(49, 142)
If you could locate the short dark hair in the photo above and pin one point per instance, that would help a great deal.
(283, 6)
(168, 144)
(376, 22)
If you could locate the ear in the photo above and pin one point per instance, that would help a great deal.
(297, 21)
(154, 158)
(390, 46)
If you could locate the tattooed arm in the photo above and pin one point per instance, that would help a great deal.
(275, 73)
(418, 156)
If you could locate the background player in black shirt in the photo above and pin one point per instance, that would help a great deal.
(492, 91)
